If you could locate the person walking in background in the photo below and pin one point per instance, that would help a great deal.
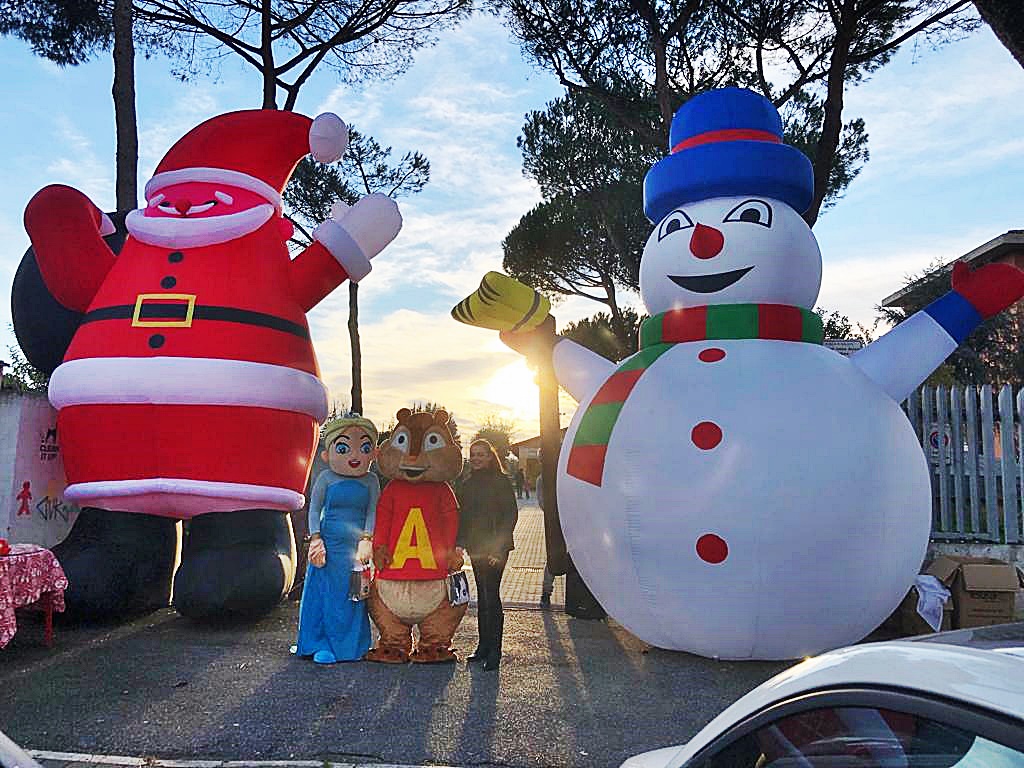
(487, 517)
(520, 478)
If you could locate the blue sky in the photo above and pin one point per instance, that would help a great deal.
(947, 157)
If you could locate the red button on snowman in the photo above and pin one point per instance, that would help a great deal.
(736, 489)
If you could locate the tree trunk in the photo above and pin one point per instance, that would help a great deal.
(357, 355)
(123, 91)
(267, 54)
(1006, 17)
(832, 124)
(550, 444)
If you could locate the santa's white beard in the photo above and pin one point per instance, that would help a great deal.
(173, 232)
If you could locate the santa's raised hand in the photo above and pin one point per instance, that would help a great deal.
(195, 337)
(370, 224)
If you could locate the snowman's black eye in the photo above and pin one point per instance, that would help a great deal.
(674, 222)
(751, 212)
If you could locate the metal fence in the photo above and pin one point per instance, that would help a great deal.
(972, 437)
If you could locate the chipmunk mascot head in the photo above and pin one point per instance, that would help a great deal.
(414, 541)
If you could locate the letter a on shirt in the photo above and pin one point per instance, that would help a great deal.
(414, 542)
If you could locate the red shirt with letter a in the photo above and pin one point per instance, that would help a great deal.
(418, 523)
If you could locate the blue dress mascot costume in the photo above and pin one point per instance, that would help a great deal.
(342, 511)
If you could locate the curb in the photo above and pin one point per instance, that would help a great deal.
(148, 762)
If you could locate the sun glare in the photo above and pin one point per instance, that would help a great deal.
(514, 389)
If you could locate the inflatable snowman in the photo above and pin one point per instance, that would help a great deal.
(735, 489)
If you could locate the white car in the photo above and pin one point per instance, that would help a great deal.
(938, 701)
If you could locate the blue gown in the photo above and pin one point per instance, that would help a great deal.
(328, 619)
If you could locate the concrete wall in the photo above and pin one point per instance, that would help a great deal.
(10, 418)
(32, 480)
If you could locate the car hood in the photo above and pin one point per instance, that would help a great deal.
(980, 677)
(656, 758)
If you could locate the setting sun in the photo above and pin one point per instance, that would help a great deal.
(513, 391)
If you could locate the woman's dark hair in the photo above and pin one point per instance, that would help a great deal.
(496, 462)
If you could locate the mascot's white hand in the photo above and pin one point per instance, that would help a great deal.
(373, 222)
(317, 552)
(364, 550)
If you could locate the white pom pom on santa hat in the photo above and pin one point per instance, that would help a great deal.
(328, 138)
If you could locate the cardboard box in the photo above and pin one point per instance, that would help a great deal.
(910, 622)
(983, 588)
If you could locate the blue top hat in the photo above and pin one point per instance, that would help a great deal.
(723, 143)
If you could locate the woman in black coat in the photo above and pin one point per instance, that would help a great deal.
(487, 517)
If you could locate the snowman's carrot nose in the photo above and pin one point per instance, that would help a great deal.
(706, 242)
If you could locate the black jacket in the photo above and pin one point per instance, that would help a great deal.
(487, 514)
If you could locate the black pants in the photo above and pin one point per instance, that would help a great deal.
(490, 617)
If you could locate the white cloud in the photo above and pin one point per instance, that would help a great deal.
(451, 248)
(855, 286)
(954, 111)
(77, 164)
(159, 132)
(13, 242)
(411, 356)
(465, 119)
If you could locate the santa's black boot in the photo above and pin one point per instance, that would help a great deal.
(117, 563)
(235, 564)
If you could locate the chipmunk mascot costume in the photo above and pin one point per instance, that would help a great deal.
(414, 541)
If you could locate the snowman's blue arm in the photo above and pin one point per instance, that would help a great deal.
(904, 357)
(579, 370)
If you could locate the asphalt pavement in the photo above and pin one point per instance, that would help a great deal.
(162, 689)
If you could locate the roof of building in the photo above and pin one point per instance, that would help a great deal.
(530, 442)
(994, 249)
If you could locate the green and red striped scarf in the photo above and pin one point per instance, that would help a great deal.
(657, 335)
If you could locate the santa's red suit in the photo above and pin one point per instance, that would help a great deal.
(191, 385)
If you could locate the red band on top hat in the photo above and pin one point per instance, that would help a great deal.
(727, 134)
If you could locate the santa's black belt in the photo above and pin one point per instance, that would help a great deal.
(178, 311)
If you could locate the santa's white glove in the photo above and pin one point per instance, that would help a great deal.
(364, 550)
(355, 234)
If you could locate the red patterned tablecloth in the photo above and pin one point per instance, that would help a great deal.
(26, 574)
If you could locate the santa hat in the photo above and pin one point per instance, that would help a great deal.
(724, 143)
(254, 149)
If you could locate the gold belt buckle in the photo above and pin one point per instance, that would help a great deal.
(144, 297)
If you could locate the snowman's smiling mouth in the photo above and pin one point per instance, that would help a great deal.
(709, 283)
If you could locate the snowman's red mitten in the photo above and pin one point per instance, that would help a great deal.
(989, 289)
(355, 234)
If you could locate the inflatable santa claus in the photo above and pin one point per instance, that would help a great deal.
(190, 390)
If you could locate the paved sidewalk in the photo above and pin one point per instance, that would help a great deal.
(524, 573)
